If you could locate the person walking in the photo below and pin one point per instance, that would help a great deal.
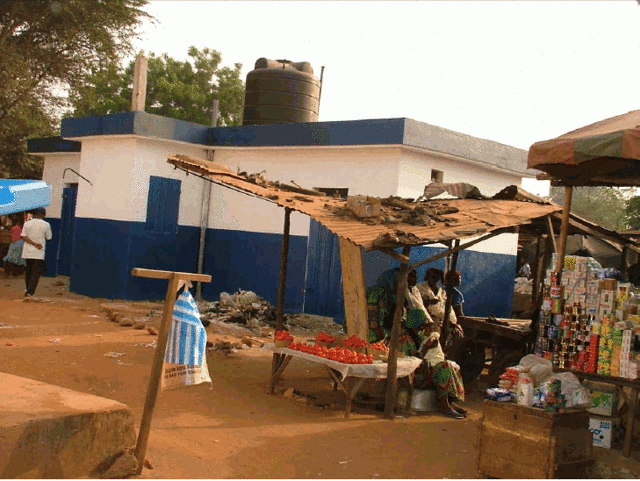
(35, 232)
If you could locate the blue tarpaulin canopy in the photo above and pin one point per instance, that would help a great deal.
(23, 195)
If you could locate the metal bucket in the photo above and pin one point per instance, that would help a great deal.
(424, 400)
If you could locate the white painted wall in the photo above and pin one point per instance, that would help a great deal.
(120, 166)
(415, 173)
(54, 165)
(363, 170)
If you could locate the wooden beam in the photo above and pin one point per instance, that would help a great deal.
(155, 274)
(139, 92)
(552, 234)
(449, 301)
(353, 288)
(392, 362)
(564, 229)
(158, 357)
(396, 255)
(459, 248)
(283, 269)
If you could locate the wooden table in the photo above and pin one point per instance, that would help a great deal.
(632, 401)
(350, 377)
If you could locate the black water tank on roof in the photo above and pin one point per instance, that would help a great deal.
(281, 91)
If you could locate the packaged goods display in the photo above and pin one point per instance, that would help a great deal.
(588, 322)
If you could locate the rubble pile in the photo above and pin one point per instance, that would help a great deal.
(245, 313)
(243, 307)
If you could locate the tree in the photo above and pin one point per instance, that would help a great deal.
(46, 47)
(632, 213)
(602, 205)
(177, 89)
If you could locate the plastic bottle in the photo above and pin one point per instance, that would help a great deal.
(525, 390)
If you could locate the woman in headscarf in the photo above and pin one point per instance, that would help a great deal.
(382, 297)
(421, 338)
(435, 299)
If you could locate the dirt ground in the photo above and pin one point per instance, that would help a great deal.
(235, 429)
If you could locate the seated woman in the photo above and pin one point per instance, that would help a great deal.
(420, 338)
(382, 297)
(434, 299)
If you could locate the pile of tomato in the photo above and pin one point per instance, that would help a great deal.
(324, 337)
(379, 346)
(283, 336)
(354, 342)
(338, 354)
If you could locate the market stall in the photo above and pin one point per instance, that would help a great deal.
(386, 225)
(350, 377)
(587, 323)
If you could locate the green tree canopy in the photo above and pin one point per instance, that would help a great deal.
(46, 47)
(177, 89)
(603, 205)
(632, 213)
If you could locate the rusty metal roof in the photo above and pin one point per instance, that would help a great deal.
(400, 223)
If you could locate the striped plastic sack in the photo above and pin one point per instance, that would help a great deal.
(185, 360)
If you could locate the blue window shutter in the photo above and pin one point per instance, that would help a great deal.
(163, 205)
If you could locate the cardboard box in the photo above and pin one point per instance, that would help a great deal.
(608, 284)
(603, 397)
(603, 430)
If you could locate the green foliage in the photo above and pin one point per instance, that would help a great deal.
(632, 213)
(604, 206)
(177, 89)
(46, 47)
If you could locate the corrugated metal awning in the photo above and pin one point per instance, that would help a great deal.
(400, 223)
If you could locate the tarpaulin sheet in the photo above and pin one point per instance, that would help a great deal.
(23, 195)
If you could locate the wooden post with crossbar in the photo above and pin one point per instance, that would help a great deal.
(158, 358)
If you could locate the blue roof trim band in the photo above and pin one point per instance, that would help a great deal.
(356, 132)
(52, 144)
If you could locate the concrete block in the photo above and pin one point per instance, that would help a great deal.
(51, 432)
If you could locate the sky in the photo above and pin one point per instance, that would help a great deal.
(515, 72)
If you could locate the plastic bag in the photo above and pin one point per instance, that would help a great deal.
(245, 298)
(226, 299)
(539, 368)
(185, 358)
(576, 395)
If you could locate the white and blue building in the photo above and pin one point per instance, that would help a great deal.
(117, 204)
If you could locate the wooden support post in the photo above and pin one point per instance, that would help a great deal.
(623, 261)
(158, 357)
(139, 93)
(564, 229)
(552, 235)
(283, 269)
(392, 363)
(355, 301)
(536, 272)
(449, 289)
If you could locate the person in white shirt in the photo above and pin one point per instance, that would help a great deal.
(36, 232)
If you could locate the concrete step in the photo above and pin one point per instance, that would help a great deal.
(51, 432)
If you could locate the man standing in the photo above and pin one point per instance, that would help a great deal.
(36, 232)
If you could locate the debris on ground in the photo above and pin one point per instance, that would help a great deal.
(124, 466)
(245, 314)
(243, 307)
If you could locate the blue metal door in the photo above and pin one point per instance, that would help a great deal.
(67, 225)
(323, 286)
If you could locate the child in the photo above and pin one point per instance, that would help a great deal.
(13, 261)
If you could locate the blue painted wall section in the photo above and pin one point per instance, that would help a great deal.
(107, 250)
(251, 261)
(51, 251)
(323, 290)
